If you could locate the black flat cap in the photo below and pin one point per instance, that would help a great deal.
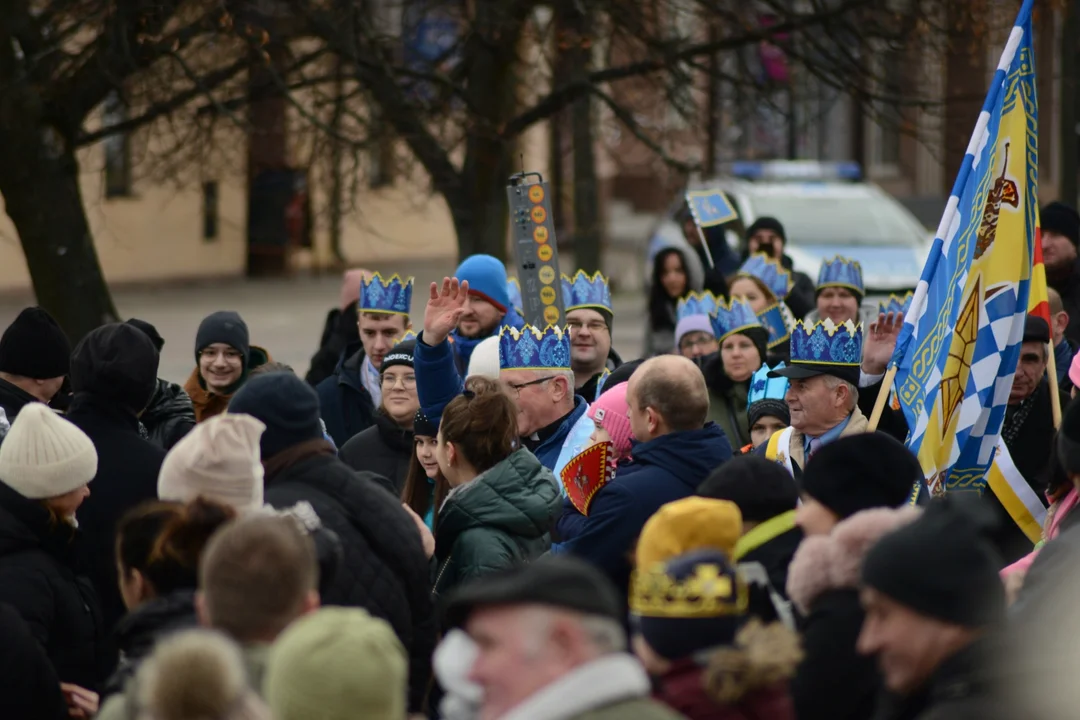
(1036, 329)
(559, 581)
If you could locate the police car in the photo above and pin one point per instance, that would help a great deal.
(827, 210)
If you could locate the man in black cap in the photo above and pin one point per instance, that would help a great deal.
(934, 605)
(34, 358)
(1059, 226)
(551, 644)
(822, 396)
(766, 235)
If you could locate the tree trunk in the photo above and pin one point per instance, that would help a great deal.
(54, 234)
(336, 159)
(586, 197)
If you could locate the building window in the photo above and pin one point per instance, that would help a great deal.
(210, 210)
(117, 148)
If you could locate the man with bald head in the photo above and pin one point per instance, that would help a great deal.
(675, 451)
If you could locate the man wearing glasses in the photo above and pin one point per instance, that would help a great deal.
(589, 315)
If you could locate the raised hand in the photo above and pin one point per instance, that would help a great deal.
(444, 309)
(880, 342)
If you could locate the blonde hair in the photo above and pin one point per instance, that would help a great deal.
(761, 656)
(196, 675)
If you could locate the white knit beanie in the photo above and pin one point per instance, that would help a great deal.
(219, 460)
(45, 456)
(484, 361)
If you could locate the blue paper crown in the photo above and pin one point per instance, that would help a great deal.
(392, 296)
(768, 271)
(513, 291)
(533, 349)
(827, 344)
(730, 319)
(409, 335)
(896, 304)
(776, 323)
(696, 303)
(763, 387)
(843, 273)
(585, 291)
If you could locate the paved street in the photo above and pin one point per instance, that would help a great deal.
(285, 316)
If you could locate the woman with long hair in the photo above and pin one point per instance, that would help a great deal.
(425, 487)
(502, 501)
(728, 372)
(670, 281)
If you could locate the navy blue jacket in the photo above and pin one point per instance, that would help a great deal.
(437, 378)
(346, 406)
(663, 470)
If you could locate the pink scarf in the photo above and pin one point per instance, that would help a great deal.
(1059, 512)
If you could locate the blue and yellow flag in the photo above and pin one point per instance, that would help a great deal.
(957, 354)
(710, 207)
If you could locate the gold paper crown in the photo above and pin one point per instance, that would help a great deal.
(708, 592)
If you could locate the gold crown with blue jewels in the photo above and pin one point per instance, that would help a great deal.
(531, 348)
(586, 291)
(392, 295)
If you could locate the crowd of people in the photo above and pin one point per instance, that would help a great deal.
(478, 518)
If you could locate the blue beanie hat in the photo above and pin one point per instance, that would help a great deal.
(487, 279)
(288, 407)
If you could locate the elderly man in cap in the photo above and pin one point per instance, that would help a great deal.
(551, 644)
(934, 604)
(34, 358)
(823, 393)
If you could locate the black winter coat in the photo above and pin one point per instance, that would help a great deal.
(339, 332)
(384, 449)
(127, 475)
(139, 630)
(384, 569)
(29, 687)
(345, 405)
(39, 579)
(13, 398)
(170, 415)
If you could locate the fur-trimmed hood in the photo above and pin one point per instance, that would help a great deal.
(833, 561)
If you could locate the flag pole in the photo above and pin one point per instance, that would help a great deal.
(883, 397)
(1055, 393)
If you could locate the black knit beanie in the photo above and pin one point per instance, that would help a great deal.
(288, 407)
(117, 362)
(424, 425)
(943, 565)
(1068, 439)
(861, 471)
(34, 346)
(761, 488)
(769, 407)
(226, 327)
(1060, 218)
(766, 223)
(400, 354)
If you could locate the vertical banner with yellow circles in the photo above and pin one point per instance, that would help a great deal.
(536, 258)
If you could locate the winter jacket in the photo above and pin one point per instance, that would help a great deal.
(29, 687)
(663, 470)
(501, 518)
(727, 408)
(208, 404)
(772, 545)
(685, 688)
(170, 415)
(128, 468)
(13, 398)
(339, 332)
(384, 569)
(1063, 355)
(383, 449)
(139, 630)
(39, 578)
(834, 681)
(345, 404)
(968, 685)
(1068, 286)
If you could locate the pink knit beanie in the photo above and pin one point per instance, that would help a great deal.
(1074, 370)
(610, 412)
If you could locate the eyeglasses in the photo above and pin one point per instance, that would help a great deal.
(694, 343)
(408, 381)
(596, 326)
(517, 388)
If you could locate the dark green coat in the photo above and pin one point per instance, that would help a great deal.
(501, 518)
